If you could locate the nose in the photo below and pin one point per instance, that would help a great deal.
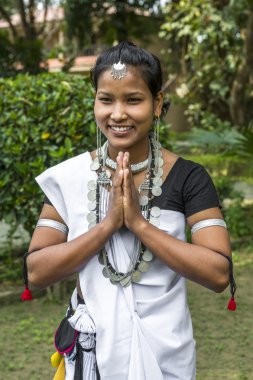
(118, 112)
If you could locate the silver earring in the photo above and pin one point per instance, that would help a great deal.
(99, 147)
(157, 144)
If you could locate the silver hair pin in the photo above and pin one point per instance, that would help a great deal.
(118, 70)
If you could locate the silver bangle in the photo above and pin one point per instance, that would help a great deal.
(53, 224)
(208, 223)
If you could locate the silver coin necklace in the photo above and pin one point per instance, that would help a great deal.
(98, 195)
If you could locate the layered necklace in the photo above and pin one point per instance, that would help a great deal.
(98, 197)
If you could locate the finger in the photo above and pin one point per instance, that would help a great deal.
(126, 158)
(126, 165)
(118, 178)
(127, 186)
(127, 170)
(127, 179)
(118, 175)
(119, 160)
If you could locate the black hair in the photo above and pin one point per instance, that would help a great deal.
(128, 53)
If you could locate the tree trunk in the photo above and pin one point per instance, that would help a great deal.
(242, 79)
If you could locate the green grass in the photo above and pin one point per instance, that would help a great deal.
(224, 339)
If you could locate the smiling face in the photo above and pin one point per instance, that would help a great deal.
(124, 111)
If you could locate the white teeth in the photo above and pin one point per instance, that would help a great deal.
(120, 129)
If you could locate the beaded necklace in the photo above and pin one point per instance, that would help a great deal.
(98, 196)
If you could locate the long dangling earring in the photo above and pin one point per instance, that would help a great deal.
(156, 140)
(99, 147)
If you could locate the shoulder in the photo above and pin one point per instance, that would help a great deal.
(70, 166)
(62, 183)
(71, 162)
(180, 168)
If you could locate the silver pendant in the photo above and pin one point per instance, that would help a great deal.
(115, 277)
(136, 276)
(144, 186)
(147, 255)
(158, 172)
(91, 206)
(143, 266)
(95, 165)
(143, 200)
(157, 181)
(156, 191)
(92, 195)
(155, 211)
(118, 70)
(92, 185)
(101, 258)
(105, 272)
(91, 217)
(154, 221)
(103, 179)
(159, 162)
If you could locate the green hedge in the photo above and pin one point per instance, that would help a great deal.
(44, 119)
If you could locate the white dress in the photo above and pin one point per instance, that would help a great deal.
(143, 331)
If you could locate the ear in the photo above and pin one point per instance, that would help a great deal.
(158, 104)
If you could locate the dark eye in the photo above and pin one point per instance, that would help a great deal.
(105, 100)
(134, 100)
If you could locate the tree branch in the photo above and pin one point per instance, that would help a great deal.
(241, 81)
(22, 12)
(7, 18)
(41, 30)
(32, 26)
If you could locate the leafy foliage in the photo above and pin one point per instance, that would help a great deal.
(7, 59)
(24, 51)
(111, 20)
(43, 120)
(210, 49)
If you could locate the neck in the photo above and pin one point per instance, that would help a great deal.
(137, 153)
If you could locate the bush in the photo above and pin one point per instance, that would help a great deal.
(44, 119)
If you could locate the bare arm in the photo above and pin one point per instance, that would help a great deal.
(198, 261)
(53, 259)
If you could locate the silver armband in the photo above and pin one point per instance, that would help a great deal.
(53, 224)
(207, 223)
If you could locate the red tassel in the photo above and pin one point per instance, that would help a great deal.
(26, 295)
(232, 304)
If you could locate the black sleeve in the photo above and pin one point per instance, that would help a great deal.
(47, 201)
(199, 192)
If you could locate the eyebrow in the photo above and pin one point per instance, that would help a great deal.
(135, 93)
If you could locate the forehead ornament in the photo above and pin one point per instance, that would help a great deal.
(118, 70)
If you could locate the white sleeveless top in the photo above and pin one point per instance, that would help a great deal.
(143, 331)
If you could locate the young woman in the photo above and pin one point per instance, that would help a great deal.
(117, 216)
